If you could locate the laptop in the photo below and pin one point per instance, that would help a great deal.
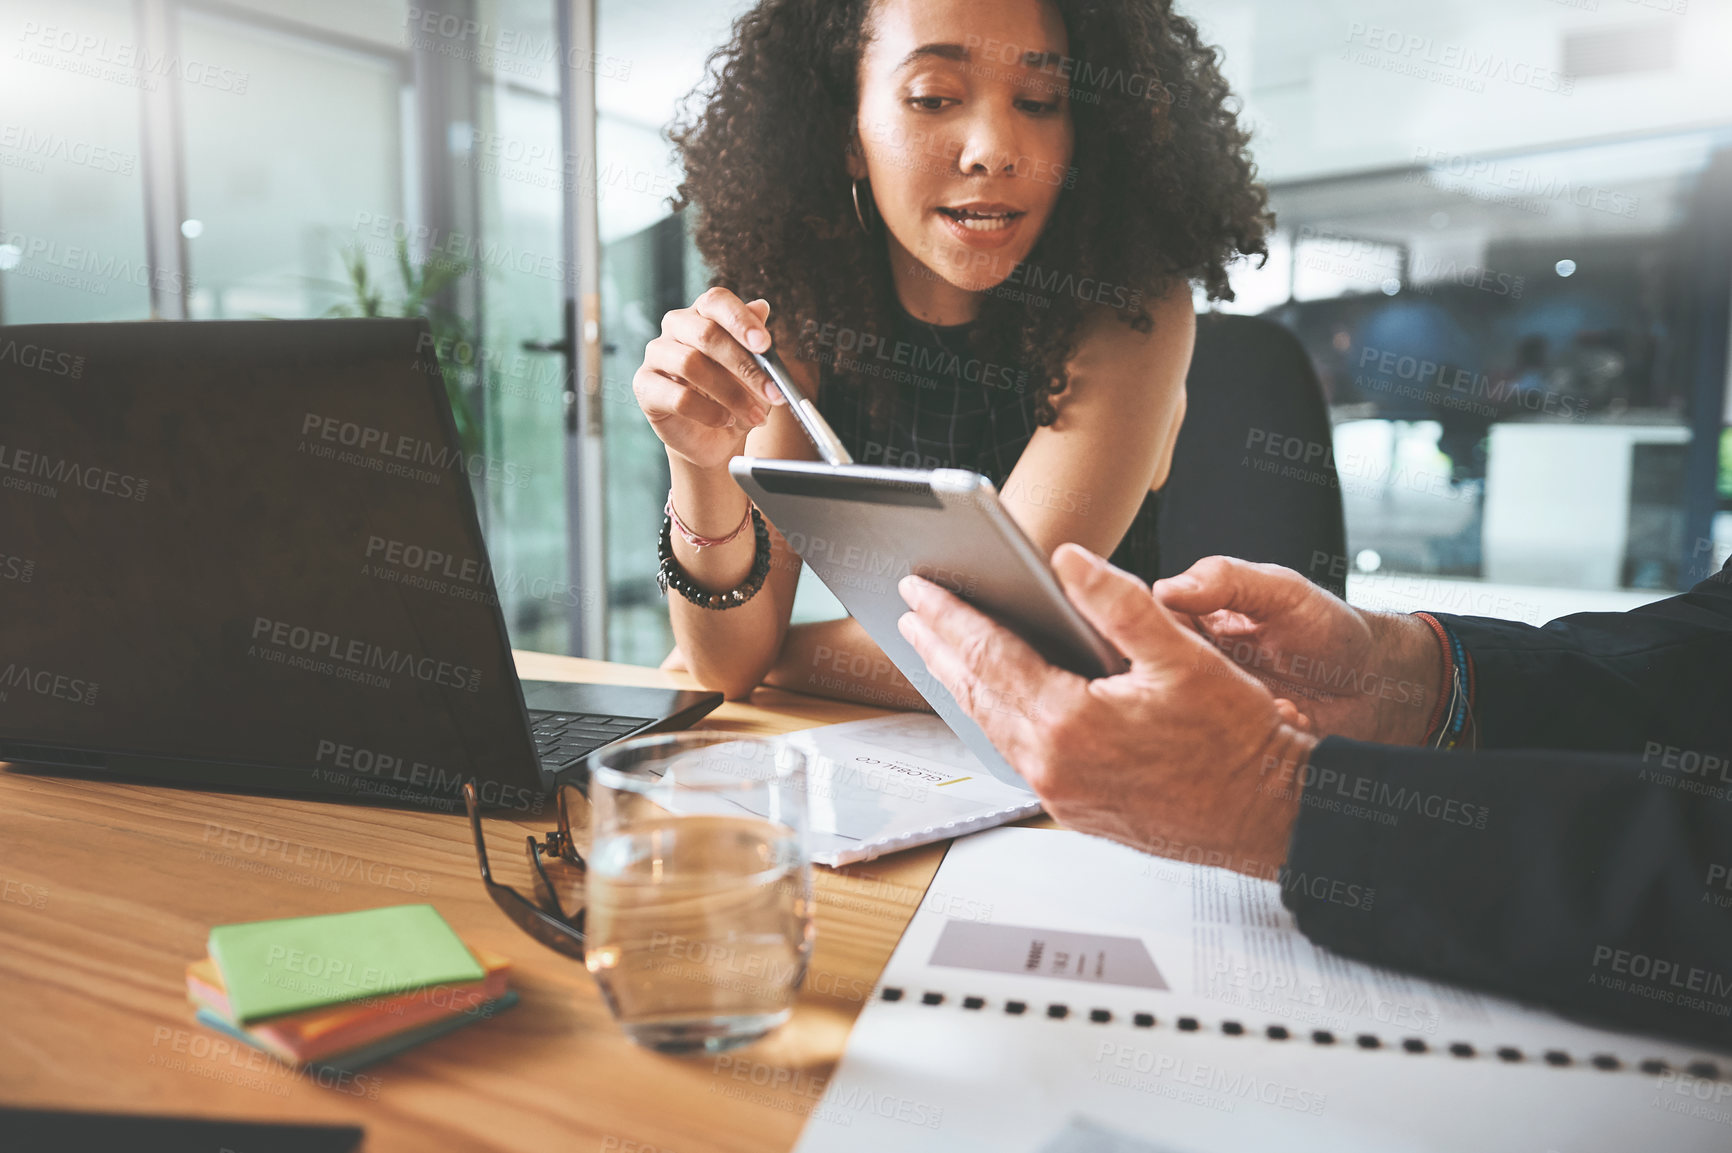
(245, 555)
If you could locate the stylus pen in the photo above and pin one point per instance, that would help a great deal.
(817, 428)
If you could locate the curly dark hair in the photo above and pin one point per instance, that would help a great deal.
(1161, 191)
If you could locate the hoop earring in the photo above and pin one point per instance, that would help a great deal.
(854, 190)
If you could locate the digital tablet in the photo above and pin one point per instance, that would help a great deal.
(863, 528)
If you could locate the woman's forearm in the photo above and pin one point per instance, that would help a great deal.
(730, 649)
(837, 659)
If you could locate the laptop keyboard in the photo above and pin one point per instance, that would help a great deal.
(564, 739)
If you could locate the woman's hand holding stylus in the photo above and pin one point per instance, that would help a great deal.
(699, 386)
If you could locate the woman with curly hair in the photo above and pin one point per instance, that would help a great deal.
(970, 229)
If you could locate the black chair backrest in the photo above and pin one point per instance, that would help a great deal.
(1253, 471)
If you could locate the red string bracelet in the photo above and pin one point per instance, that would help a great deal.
(693, 538)
(1448, 681)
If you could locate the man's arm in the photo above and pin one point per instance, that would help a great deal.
(1349, 673)
(1590, 883)
(1532, 874)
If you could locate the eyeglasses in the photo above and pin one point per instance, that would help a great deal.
(543, 918)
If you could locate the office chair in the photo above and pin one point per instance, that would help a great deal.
(1253, 472)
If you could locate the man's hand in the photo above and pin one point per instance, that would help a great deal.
(1368, 676)
(1184, 751)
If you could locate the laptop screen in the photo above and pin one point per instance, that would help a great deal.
(253, 543)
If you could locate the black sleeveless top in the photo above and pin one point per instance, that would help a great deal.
(949, 408)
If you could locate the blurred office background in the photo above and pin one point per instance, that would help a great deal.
(1505, 239)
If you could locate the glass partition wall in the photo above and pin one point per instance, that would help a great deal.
(648, 268)
(1524, 356)
(1505, 238)
(72, 234)
(328, 158)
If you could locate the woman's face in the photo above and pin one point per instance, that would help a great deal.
(966, 137)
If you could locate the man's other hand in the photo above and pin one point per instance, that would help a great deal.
(1184, 752)
(1368, 676)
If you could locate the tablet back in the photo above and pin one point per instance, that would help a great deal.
(862, 529)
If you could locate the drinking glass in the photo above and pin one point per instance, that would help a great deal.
(699, 891)
(697, 894)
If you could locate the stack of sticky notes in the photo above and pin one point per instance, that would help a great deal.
(347, 990)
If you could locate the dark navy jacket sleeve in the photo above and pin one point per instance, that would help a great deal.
(1597, 883)
(1634, 682)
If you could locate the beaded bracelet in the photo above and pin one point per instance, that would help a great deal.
(672, 576)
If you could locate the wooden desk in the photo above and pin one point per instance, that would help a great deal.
(110, 890)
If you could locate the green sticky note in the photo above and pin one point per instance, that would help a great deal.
(298, 963)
